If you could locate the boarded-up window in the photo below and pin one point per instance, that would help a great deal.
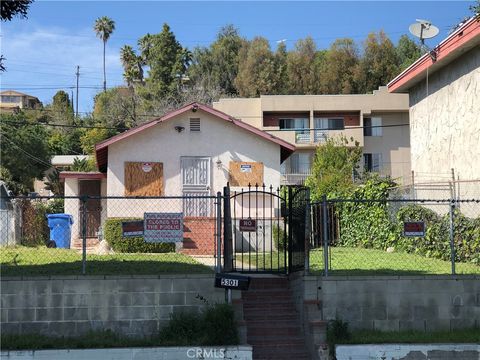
(243, 173)
(143, 179)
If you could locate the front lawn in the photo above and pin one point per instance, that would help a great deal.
(358, 261)
(16, 261)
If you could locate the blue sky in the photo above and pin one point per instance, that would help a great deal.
(43, 51)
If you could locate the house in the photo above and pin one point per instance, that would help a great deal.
(59, 162)
(385, 138)
(444, 111)
(11, 101)
(192, 151)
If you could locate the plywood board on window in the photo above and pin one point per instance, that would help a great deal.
(143, 179)
(242, 173)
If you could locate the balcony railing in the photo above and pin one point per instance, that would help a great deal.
(294, 178)
(302, 137)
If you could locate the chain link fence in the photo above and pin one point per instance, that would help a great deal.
(108, 235)
(396, 236)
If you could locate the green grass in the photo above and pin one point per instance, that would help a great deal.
(214, 325)
(16, 261)
(274, 261)
(410, 337)
(358, 261)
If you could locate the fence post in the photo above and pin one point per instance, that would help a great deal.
(452, 235)
(308, 232)
(325, 234)
(84, 200)
(219, 232)
(227, 232)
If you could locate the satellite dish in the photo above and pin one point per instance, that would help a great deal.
(423, 29)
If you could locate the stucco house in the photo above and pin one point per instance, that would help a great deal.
(444, 92)
(192, 151)
(11, 101)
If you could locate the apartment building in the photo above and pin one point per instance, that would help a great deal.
(11, 101)
(379, 122)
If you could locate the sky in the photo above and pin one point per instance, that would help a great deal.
(42, 52)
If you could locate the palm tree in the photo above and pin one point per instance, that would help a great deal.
(132, 65)
(104, 27)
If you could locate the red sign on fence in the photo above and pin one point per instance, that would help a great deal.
(414, 228)
(248, 225)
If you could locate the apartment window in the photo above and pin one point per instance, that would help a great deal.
(323, 125)
(372, 162)
(371, 126)
(301, 136)
(300, 163)
(10, 99)
(195, 124)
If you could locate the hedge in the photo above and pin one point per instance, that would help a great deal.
(113, 235)
(371, 225)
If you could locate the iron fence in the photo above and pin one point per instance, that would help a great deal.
(395, 236)
(109, 235)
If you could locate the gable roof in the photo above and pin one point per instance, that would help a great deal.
(101, 148)
(466, 37)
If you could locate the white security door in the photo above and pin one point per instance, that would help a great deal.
(195, 172)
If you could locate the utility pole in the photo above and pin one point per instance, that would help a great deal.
(76, 107)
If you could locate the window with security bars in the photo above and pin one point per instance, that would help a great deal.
(195, 124)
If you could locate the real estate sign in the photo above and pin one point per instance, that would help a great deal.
(163, 227)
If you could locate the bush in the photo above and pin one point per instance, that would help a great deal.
(113, 234)
(215, 325)
(337, 332)
(279, 237)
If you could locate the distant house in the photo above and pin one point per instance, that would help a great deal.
(445, 109)
(385, 139)
(11, 101)
(192, 151)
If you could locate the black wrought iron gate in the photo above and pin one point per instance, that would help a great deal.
(265, 229)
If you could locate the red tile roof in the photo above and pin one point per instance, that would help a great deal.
(101, 148)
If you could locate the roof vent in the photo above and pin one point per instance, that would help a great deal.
(195, 124)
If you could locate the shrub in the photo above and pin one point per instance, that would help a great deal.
(113, 234)
(337, 331)
(215, 325)
(279, 237)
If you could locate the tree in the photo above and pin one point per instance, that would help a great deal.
(167, 61)
(378, 65)
(407, 52)
(116, 108)
(256, 72)
(281, 68)
(24, 152)
(132, 66)
(334, 166)
(220, 61)
(301, 68)
(19, 8)
(104, 27)
(337, 75)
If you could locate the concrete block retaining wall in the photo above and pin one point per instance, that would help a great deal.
(426, 303)
(73, 305)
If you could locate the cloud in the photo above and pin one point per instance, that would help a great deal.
(47, 57)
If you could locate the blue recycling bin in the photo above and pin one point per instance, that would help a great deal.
(60, 229)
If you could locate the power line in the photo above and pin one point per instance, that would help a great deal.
(33, 157)
(23, 123)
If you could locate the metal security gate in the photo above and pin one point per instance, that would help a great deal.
(195, 173)
(262, 230)
(299, 226)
